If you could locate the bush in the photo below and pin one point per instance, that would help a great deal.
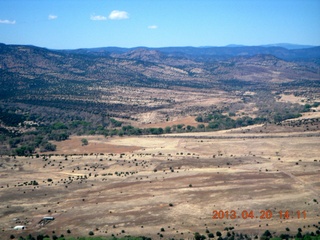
(34, 182)
(84, 141)
(91, 233)
(115, 123)
(199, 118)
(197, 236)
(49, 147)
(267, 235)
(299, 235)
(167, 129)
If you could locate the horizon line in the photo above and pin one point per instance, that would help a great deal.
(232, 45)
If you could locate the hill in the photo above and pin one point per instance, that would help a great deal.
(108, 88)
(154, 67)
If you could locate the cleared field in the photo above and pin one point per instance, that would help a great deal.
(139, 185)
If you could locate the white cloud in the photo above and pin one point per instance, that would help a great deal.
(52, 17)
(98, 18)
(7, 21)
(118, 15)
(153, 27)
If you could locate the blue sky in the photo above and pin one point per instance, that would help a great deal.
(71, 24)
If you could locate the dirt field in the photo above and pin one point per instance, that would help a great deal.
(139, 185)
(184, 120)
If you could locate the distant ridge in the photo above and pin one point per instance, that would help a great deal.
(236, 45)
(30, 69)
(288, 46)
(282, 50)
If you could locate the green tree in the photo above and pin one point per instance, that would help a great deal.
(115, 123)
(201, 127)
(299, 235)
(120, 133)
(213, 125)
(59, 125)
(198, 236)
(49, 147)
(210, 235)
(266, 235)
(84, 141)
(180, 126)
(199, 118)
(189, 128)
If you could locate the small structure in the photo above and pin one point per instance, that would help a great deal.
(19, 227)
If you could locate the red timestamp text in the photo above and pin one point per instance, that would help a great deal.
(262, 214)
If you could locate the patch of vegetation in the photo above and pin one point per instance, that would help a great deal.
(84, 141)
(43, 128)
(11, 118)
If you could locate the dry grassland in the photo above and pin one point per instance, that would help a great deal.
(167, 106)
(138, 185)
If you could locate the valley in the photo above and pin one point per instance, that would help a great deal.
(162, 143)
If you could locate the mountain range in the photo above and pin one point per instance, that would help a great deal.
(24, 68)
(283, 51)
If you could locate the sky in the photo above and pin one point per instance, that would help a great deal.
(72, 24)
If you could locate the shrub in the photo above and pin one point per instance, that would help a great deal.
(84, 141)
(197, 236)
(48, 147)
(40, 237)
